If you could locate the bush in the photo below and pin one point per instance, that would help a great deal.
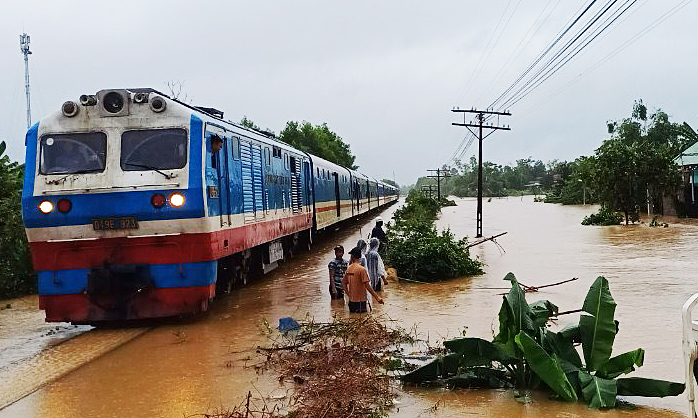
(419, 252)
(16, 275)
(603, 217)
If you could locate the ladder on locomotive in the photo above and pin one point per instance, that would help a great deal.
(253, 201)
(296, 194)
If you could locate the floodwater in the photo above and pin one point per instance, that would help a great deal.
(186, 368)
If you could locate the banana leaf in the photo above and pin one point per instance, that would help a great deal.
(571, 372)
(541, 311)
(640, 386)
(479, 377)
(440, 367)
(622, 364)
(546, 367)
(598, 392)
(519, 307)
(476, 351)
(571, 333)
(597, 329)
(425, 373)
(504, 340)
(553, 342)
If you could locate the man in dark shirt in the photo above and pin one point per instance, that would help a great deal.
(378, 232)
(337, 268)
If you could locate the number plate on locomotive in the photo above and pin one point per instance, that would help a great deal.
(114, 223)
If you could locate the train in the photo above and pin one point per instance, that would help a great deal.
(137, 205)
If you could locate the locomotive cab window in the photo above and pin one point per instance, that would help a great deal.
(154, 149)
(73, 153)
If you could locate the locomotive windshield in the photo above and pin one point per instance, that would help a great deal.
(153, 149)
(73, 153)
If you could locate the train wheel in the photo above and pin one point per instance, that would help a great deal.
(226, 275)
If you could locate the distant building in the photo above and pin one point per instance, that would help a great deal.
(688, 161)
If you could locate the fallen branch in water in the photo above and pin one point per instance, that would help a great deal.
(485, 240)
(531, 289)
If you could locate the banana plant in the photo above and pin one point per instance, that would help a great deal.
(526, 354)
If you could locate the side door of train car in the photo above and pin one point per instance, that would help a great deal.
(308, 184)
(218, 173)
(337, 196)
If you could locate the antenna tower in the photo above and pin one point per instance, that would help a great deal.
(24, 45)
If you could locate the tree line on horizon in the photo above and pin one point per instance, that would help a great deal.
(632, 167)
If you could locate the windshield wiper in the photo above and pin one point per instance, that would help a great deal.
(90, 170)
(167, 176)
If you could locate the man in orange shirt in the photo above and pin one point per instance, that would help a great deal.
(356, 282)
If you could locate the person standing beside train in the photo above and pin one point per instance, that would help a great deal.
(357, 283)
(337, 268)
(374, 265)
(378, 232)
(361, 244)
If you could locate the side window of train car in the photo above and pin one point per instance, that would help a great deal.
(153, 149)
(73, 153)
(286, 161)
(235, 143)
(277, 152)
(267, 156)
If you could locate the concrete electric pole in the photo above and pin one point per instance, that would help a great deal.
(480, 116)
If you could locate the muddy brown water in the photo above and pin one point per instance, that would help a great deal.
(184, 368)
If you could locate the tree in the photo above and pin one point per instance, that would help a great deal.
(318, 140)
(247, 123)
(635, 166)
(16, 276)
(390, 182)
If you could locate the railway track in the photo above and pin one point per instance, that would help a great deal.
(23, 379)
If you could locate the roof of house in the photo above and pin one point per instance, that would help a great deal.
(689, 156)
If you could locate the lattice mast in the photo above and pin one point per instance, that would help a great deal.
(24, 45)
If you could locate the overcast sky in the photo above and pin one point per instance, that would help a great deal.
(384, 75)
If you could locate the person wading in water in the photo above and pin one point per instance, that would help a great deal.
(356, 283)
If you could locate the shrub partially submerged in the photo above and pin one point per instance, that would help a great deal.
(604, 217)
(419, 252)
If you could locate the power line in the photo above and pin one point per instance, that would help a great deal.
(626, 44)
(519, 49)
(566, 58)
(485, 52)
(542, 55)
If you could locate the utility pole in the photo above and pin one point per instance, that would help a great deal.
(438, 178)
(24, 45)
(428, 191)
(480, 116)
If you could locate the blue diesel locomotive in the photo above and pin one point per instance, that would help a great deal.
(137, 205)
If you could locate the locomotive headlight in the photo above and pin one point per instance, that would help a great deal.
(69, 109)
(46, 206)
(158, 104)
(176, 200)
(88, 100)
(113, 102)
